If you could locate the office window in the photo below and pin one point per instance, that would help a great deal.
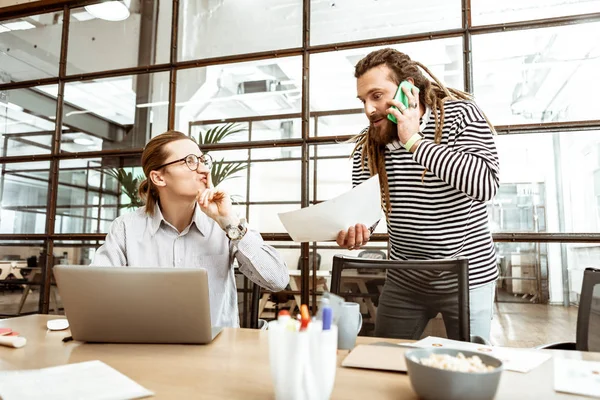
(24, 197)
(27, 120)
(94, 191)
(238, 69)
(115, 113)
(230, 173)
(251, 129)
(254, 88)
(142, 38)
(331, 166)
(334, 21)
(332, 81)
(486, 12)
(221, 28)
(75, 252)
(531, 194)
(20, 260)
(30, 47)
(538, 75)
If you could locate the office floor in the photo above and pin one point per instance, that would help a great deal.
(529, 325)
(514, 324)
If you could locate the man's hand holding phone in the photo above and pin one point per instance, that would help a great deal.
(405, 111)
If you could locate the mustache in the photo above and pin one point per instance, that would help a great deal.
(376, 117)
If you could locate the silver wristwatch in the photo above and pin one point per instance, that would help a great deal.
(236, 232)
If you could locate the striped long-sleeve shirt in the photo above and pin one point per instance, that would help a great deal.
(444, 214)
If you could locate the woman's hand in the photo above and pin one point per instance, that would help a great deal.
(216, 204)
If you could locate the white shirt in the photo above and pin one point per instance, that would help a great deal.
(137, 239)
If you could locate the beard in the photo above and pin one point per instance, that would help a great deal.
(384, 134)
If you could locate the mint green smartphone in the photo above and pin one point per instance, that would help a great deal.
(401, 97)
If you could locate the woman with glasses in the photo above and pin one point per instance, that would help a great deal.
(188, 223)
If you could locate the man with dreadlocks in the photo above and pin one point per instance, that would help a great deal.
(437, 167)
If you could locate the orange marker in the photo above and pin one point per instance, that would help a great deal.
(305, 317)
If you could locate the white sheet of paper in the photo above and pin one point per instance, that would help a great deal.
(577, 376)
(518, 360)
(90, 380)
(323, 221)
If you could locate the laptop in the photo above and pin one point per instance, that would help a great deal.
(136, 305)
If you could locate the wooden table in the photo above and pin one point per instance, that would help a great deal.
(234, 366)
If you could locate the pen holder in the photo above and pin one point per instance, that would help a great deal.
(303, 363)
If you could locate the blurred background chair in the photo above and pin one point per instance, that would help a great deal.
(588, 316)
(372, 254)
(345, 269)
(288, 301)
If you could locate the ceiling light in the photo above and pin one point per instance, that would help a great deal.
(18, 25)
(155, 104)
(11, 106)
(82, 16)
(70, 113)
(110, 10)
(83, 141)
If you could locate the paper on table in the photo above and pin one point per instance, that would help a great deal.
(321, 222)
(90, 380)
(577, 376)
(518, 360)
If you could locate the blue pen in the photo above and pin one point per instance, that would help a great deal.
(327, 318)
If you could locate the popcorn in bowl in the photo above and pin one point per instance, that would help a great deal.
(460, 363)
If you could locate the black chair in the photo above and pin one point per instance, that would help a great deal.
(254, 305)
(372, 254)
(588, 316)
(460, 266)
(372, 286)
(251, 320)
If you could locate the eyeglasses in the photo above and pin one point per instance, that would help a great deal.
(192, 161)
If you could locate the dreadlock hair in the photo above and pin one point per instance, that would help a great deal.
(432, 93)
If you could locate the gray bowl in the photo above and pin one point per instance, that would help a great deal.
(439, 384)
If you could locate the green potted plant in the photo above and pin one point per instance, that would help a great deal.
(222, 170)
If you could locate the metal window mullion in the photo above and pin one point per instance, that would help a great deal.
(467, 48)
(44, 300)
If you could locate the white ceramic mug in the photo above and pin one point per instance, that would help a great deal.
(349, 324)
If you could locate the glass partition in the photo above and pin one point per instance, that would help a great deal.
(223, 28)
(485, 12)
(350, 20)
(137, 35)
(538, 75)
(30, 47)
(27, 120)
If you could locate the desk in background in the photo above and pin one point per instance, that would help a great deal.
(235, 366)
(12, 267)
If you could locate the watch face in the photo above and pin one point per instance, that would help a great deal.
(233, 233)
